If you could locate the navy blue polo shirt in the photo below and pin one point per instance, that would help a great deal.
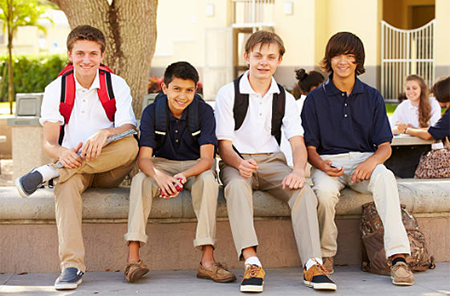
(179, 144)
(335, 123)
(442, 128)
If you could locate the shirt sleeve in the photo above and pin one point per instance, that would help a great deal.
(442, 128)
(435, 112)
(50, 103)
(208, 126)
(224, 113)
(310, 122)
(292, 123)
(147, 127)
(124, 111)
(382, 132)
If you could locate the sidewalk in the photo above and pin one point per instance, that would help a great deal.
(279, 281)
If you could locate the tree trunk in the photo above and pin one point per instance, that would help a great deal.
(10, 61)
(130, 31)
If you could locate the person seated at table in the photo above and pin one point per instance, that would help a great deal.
(441, 129)
(307, 81)
(419, 110)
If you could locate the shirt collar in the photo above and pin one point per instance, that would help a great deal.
(331, 89)
(246, 88)
(95, 83)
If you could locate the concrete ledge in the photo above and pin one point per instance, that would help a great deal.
(423, 197)
(29, 237)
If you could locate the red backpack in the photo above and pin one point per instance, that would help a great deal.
(105, 93)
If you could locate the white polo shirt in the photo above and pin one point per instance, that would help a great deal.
(88, 115)
(409, 114)
(254, 136)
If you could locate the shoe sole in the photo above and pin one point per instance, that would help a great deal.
(401, 283)
(137, 275)
(228, 280)
(67, 286)
(20, 188)
(250, 288)
(321, 286)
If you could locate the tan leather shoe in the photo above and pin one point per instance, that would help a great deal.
(328, 264)
(217, 272)
(135, 270)
(401, 275)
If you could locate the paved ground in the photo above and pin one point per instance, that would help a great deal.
(279, 281)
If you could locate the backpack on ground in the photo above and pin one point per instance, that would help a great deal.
(278, 107)
(372, 233)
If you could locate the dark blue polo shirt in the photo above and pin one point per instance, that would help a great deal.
(335, 123)
(442, 128)
(179, 144)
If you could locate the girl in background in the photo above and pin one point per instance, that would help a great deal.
(307, 81)
(419, 110)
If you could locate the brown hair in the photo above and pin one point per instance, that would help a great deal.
(344, 43)
(263, 38)
(424, 101)
(86, 32)
(306, 81)
(441, 90)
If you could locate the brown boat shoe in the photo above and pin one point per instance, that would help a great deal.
(135, 270)
(217, 272)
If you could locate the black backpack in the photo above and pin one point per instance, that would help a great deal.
(278, 108)
(162, 118)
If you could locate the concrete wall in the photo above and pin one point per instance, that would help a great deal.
(170, 246)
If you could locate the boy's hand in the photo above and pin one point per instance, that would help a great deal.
(247, 167)
(70, 159)
(294, 180)
(167, 185)
(364, 170)
(93, 146)
(332, 171)
(181, 180)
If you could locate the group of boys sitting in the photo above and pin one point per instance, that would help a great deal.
(343, 131)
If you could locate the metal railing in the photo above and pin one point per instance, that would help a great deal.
(253, 13)
(406, 52)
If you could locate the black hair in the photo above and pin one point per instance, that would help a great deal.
(308, 80)
(182, 70)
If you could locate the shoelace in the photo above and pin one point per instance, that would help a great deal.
(253, 270)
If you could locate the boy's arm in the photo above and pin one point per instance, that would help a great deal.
(94, 144)
(296, 179)
(164, 181)
(204, 163)
(67, 157)
(365, 169)
(246, 167)
(324, 165)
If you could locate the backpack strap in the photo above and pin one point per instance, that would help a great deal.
(278, 109)
(162, 118)
(106, 94)
(67, 99)
(240, 107)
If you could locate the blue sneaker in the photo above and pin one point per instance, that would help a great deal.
(29, 183)
(69, 279)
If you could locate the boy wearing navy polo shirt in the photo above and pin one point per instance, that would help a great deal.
(348, 139)
(252, 160)
(182, 158)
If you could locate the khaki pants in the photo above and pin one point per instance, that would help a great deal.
(272, 169)
(382, 185)
(204, 191)
(108, 170)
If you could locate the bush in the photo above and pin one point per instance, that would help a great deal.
(31, 73)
